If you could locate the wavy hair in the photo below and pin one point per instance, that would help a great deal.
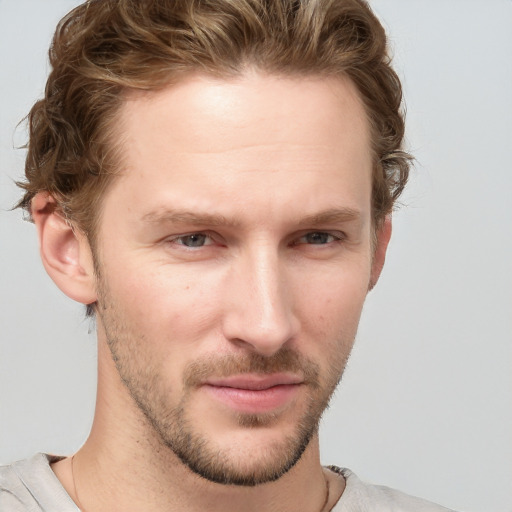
(104, 48)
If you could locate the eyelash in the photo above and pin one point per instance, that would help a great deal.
(333, 238)
(179, 239)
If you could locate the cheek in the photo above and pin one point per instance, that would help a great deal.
(335, 318)
(166, 301)
(335, 293)
(330, 311)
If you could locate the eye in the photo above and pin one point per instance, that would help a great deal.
(318, 238)
(193, 240)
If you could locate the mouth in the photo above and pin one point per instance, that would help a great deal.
(253, 393)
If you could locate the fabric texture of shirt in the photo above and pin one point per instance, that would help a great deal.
(31, 486)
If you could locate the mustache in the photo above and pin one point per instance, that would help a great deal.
(285, 360)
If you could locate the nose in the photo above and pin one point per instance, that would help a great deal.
(258, 311)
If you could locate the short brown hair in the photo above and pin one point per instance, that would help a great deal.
(104, 48)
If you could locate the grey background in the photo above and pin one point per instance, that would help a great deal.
(425, 405)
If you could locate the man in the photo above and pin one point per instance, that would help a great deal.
(214, 181)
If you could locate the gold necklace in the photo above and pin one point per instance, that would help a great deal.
(327, 493)
(77, 499)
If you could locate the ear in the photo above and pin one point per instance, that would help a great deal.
(383, 236)
(65, 252)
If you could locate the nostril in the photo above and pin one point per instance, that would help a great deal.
(264, 338)
(258, 311)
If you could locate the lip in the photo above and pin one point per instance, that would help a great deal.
(255, 382)
(252, 393)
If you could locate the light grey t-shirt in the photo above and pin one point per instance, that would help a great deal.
(31, 486)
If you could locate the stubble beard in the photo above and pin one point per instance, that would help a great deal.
(140, 374)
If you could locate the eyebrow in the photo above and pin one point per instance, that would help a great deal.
(166, 216)
(331, 216)
(187, 217)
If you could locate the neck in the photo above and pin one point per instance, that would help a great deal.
(105, 481)
(124, 466)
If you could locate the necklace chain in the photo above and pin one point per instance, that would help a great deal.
(74, 484)
(327, 493)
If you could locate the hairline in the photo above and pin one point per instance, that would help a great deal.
(112, 129)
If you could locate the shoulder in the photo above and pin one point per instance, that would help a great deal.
(31, 486)
(360, 496)
(14, 493)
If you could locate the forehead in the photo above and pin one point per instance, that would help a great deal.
(258, 106)
(258, 135)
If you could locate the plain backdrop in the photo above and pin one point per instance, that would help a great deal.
(425, 405)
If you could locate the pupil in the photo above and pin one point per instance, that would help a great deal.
(195, 240)
(318, 238)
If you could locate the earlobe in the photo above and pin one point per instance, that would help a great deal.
(65, 253)
(383, 236)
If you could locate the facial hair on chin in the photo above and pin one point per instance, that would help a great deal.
(200, 454)
(194, 448)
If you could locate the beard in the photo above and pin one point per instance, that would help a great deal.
(143, 375)
(203, 456)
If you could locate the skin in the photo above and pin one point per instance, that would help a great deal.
(236, 241)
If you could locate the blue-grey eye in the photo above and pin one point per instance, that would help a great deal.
(193, 240)
(317, 238)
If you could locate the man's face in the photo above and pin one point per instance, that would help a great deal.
(234, 256)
